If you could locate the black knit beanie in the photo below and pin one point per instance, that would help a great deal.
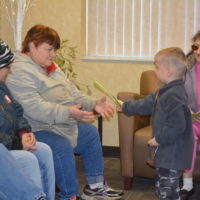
(6, 55)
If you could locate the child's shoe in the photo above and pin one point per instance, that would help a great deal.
(101, 192)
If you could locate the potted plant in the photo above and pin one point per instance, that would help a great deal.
(65, 58)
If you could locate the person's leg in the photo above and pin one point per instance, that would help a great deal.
(187, 189)
(90, 150)
(64, 163)
(89, 147)
(14, 183)
(167, 184)
(45, 160)
(30, 169)
(3, 196)
(157, 182)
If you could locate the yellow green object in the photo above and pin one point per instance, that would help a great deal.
(102, 89)
(195, 115)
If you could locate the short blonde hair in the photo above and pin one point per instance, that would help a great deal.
(174, 57)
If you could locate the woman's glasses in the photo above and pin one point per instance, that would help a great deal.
(195, 47)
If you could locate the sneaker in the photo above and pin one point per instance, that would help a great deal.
(102, 192)
(75, 198)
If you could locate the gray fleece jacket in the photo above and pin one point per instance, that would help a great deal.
(46, 98)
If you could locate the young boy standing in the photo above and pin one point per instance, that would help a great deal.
(172, 137)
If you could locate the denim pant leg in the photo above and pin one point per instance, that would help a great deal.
(45, 160)
(30, 169)
(4, 196)
(21, 171)
(90, 150)
(64, 162)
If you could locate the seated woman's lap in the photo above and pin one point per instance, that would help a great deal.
(55, 141)
(87, 133)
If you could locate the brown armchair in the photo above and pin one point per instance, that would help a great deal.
(135, 131)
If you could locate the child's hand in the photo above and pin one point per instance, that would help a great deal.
(28, 141)
(119, 105)
(152, 142)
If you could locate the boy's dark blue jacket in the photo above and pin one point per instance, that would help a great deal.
(171, 124)
(11, 120)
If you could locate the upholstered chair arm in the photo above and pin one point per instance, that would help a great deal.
(127, 125)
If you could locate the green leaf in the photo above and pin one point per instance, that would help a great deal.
(65, 57)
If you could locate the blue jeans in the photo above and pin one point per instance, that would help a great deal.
(89, 148)
(40, 169)
(14, 183)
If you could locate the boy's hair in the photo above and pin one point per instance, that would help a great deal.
(174, 57)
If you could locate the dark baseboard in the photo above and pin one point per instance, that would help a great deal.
(111, 152)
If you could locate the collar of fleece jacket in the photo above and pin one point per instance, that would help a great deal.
(51, 69)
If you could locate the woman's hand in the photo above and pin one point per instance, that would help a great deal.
(28, 141)
(80, 115)
(103, 108)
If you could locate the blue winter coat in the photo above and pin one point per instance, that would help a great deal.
(171, 124)
(11, 120)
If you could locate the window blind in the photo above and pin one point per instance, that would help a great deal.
(139, 28)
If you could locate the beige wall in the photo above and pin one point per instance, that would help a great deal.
(68, 18)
